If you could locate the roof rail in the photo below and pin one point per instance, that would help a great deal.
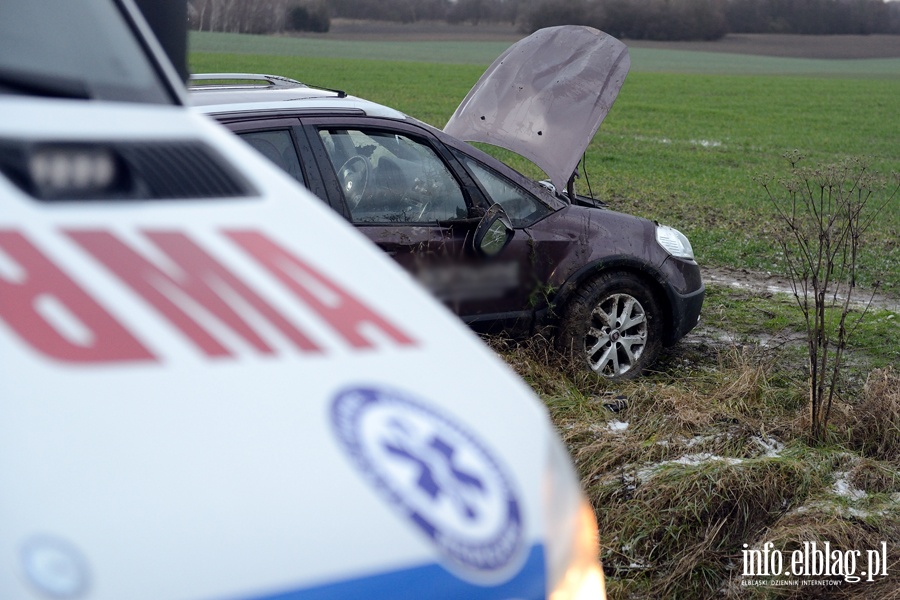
(273, 80)
(276, 81)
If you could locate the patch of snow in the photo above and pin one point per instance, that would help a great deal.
(844, 489)
(699, 439)
(689, 460)
(834, 508)
(698, 459)
(771, 447)
(664, 140)
(617, 426)
(706, 143)
(657, 140)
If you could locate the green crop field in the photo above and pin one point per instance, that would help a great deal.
(482, 53)
(683, 144)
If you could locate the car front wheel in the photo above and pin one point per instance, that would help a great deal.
(613, 325)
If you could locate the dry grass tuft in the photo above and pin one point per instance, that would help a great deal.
(538, 363)
(687, 522)
(825, 523)
(685, 466)
(874, 478)
(876, 424)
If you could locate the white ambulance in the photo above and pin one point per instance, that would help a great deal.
(211, 387)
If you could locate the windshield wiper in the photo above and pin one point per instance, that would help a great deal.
(20, 82)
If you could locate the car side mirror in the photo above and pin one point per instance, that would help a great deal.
(494, 231)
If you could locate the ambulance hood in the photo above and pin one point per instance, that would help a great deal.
(242, 398)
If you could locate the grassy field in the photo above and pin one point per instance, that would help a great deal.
(483, 51)
(687, 465)
(683, 148)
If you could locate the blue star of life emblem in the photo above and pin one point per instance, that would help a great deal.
(436, 473)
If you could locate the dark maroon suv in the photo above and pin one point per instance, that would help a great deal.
(501, 250)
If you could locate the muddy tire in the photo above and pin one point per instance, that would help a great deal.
(613, 326)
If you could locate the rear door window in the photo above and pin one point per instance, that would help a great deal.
(278, 146)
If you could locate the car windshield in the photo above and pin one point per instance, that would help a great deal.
(82, 49)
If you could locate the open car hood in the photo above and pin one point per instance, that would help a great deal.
(545, 97)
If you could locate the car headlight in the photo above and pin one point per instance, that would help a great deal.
(674, 242)
(573, 564)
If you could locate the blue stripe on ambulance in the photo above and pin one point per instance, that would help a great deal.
(429, 581)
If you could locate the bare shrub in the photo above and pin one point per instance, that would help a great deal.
(825, 213)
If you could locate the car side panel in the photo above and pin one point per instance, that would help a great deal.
(440, 255)
(618, 241)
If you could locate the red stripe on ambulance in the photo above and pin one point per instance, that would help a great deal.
(197, 273)
(199, 279)
(19, 307)
(343, 312)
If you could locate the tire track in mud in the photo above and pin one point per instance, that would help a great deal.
(699, 347)
(752, 281)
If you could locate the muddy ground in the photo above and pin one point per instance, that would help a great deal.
(753, 281)
(794, 46)
(703, 346)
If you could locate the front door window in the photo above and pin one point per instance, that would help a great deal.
(390, 178)
(520, 206)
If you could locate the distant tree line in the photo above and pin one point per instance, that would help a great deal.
(812, 16)
(712, 19)
(630, 19)
(637, 19)
(452, 11)
(258, 16)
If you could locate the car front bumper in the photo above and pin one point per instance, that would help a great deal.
(685, 291)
